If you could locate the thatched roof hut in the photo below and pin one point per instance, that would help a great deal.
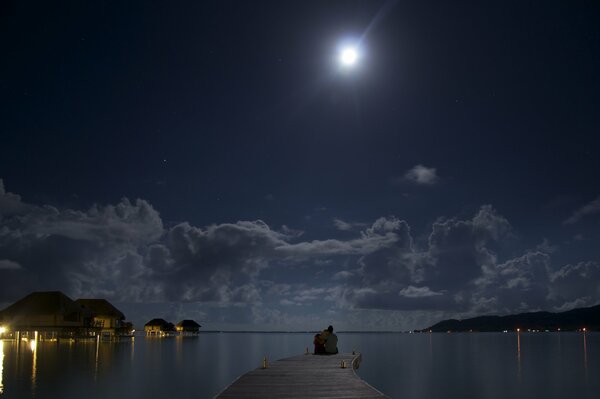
(157, 323)
(188, 326)
(107, 318)
(159, 327)
(101, 307)
(45, 310)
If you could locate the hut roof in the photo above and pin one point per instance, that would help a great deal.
(42, 304)
(188, 324)
(157, 322)
(101, 307)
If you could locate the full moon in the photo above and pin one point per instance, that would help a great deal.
(348, 56)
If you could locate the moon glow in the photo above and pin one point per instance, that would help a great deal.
(348, 56)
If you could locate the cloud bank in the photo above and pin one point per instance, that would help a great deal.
(249, 274)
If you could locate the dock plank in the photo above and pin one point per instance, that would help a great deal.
(304, 376)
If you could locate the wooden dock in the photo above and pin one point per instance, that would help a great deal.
(304, 376)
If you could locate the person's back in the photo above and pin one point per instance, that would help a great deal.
(331, 342)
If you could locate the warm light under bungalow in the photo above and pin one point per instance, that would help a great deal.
(107, 318)
(188, 326)
(158, 327)
(50, 313)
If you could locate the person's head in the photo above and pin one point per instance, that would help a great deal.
(330, 329)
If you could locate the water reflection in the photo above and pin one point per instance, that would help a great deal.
(1, 366)
(430, 345)
(96, 359)
(33, 346)
(585, 358)
(519, 355)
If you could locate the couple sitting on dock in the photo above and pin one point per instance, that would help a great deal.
(326, 342)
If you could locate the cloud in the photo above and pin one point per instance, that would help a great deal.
(341, 225)
(347, 226)
(578, 282)
(342, 275)
(11, 204)
(421, 174)
(124, 253)
(417, 292)
(591, 208)
(211, 264)
(383, 233)
(6, 264)
(519, 284)
(96, 252)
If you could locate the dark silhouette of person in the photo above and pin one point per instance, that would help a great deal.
(331, 341)
(319, 342)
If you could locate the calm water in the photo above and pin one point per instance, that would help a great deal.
(549, 365)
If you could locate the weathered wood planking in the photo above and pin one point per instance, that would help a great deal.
(304, 376)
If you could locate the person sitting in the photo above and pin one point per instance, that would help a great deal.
(319, 342)
(331, 342)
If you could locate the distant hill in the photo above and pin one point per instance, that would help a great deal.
(571, 320)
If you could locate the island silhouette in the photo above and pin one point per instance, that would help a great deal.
(580, 319)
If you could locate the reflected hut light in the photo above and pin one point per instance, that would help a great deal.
(33, 345)
(1, 366)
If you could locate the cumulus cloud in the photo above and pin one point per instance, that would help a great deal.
(588, 209)
(461, 271)
(383, 233)
(421, 174)
(574, 285)
(11, 204)
(97, 251)
(519, 284)
(210, 264)
(123, 252)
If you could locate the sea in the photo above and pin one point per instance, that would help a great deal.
(401, 365)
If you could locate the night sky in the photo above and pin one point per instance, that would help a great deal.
(216, 161)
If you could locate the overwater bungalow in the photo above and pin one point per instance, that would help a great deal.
(188, 327)
(52, 314)
(159, 328)
(108, 321)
